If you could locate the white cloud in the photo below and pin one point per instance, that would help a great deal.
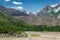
(7, 0)
(54, 5)
(18, 7)
(17, 3)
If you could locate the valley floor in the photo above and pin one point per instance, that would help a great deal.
(37, 36)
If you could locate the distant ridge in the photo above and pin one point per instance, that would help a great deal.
(13, 12)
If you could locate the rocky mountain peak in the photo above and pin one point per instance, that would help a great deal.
(47, 10)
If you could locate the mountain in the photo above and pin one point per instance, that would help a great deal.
(47, 16)
(13, 12)
(45, 12)
(31, 14)
(14, 21)
(50, 11)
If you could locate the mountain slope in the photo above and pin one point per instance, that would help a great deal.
(11, 24)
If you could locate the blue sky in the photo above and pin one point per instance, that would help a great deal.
(28, 5)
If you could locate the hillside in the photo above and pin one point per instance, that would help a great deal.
(10, 24)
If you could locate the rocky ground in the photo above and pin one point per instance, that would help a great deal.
(36, 36)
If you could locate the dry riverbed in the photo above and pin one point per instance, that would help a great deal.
(36, 36)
